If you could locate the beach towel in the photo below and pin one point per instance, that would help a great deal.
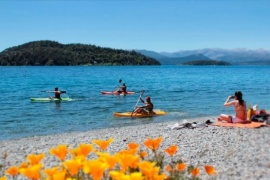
(240, 125)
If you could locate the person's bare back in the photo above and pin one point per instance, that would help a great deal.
(240, 110)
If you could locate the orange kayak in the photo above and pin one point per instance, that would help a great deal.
(117, 93)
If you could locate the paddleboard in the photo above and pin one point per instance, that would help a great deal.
(50, 99)
(139, 115)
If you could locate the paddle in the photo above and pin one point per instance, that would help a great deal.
(54, 91)
(120, 80)
(137, 102)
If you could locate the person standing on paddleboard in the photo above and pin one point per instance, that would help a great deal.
(147, 108)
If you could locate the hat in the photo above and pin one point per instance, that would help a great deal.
(147, 98)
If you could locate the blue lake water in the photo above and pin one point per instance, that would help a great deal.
(183, 91)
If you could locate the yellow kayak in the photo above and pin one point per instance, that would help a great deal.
(139, 115)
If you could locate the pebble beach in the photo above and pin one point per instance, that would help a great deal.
(236, 153)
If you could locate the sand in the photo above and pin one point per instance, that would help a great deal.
(236, 153)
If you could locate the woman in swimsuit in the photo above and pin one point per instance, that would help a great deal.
(239, 107)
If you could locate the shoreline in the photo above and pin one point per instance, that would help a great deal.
(236, 153)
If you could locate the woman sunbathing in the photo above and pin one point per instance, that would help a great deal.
(239, 107)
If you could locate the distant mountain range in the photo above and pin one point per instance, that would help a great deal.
(233, 56)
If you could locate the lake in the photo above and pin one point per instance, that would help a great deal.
(182, 91)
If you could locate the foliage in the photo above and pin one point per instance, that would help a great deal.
(51, 53)
(86, 162)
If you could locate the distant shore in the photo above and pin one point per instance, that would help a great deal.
(236, 153)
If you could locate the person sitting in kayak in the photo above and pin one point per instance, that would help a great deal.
(147, 108)
(122, 89)
(57, 93)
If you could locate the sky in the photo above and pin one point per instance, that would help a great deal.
(154, 25)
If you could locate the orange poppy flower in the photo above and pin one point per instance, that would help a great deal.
(60, 151)
(148, 169)
(128, 151)
(73, 166)
(168, 168)
(23, 165)
(133, 145)
(82, 150)
(153, 144)
(116, 174)
(51, 171)
(121, 176)
(159, 177)
(181, 167)
(110, 160)
(128, 160)
(60, 175)
(35, 158)
(96, 168)
(171, 150)
(143, 154)
(32, 172)
(103, 144)
(13, 171)
(210, 170)
(195, 172)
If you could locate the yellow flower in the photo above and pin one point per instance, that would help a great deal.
(3, 178)
(96, 168)
(110, 160)
(59, 175)
(121, 176)
(60, 151)
(181, 167)
(128, 160)
(32, 172)
(35, 158)
(73, 166)
(148, 169)
(210, 170)
(159, 177)
(171, 150)
(136, 176)
(103, 144)
(82, 150)
(195, 172)
(13, 171)
(116, 174)
(153, 144)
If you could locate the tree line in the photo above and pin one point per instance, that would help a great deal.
(52, 53)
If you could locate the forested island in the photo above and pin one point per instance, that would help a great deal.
(207, 63)
(52, 53)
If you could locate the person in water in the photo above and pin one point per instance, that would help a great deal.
(239, 107)
(147, 108)
(57, 93)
